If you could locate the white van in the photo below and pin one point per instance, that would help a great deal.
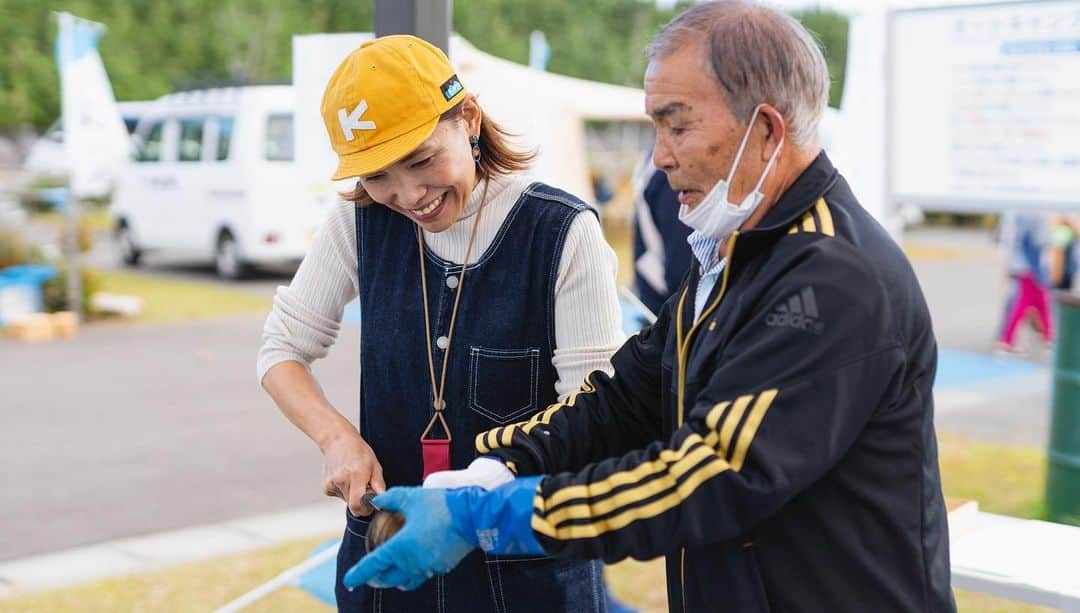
(213, 177)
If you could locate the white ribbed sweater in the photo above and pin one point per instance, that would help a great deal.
(306, 316)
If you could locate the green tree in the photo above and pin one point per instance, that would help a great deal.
(153, 47)
(601, 40)
(831, 30)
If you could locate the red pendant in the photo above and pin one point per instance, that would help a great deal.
(436, 455)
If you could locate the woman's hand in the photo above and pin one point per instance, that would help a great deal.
(350, 469)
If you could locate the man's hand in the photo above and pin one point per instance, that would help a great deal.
(350, 469)
(426, 545)
(487, 473)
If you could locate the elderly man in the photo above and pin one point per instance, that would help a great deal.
(772, 434)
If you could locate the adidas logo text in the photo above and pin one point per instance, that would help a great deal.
(799, 312)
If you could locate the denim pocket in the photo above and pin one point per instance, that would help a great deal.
(503, 382)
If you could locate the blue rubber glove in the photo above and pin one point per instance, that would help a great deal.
(426, 545)
(443, 526)
(500, 520)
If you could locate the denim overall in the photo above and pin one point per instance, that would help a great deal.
(500, 372)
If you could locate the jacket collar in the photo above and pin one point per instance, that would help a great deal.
(799, 197)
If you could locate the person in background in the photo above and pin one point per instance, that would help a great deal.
(1026, 238)
(1002, 236)
(661, 252)
(1063, 252)
(601, 188)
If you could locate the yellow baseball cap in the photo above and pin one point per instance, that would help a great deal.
(384, 100)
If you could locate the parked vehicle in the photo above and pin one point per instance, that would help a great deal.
(213, 177)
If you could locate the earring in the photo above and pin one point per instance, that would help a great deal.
(474, 142)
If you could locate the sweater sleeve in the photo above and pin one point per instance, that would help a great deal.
(306, 316)
(588, 320)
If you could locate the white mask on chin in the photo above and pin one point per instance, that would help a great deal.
(717, 217)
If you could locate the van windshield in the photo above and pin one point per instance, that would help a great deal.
(279, 137)
(148, 147)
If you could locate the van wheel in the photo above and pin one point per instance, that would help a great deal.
(227, 259)
(129, 251)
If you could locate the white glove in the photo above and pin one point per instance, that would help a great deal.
(485, 472)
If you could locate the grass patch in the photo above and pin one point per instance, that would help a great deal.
(200, 587)
(974, 602)
(937, 253)
(172, 300)
(639, 584)
(1004, 479)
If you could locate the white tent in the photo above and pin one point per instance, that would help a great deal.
(547, 111)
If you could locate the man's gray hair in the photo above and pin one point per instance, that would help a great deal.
(757, 54)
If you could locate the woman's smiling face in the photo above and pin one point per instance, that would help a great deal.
(433, 184)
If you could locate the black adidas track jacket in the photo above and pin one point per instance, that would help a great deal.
(780, 450)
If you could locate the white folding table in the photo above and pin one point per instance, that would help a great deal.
(1019, 559)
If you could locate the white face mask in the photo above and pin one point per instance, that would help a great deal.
(717, 217)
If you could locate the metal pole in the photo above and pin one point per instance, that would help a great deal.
(71, 248)
(430, 20)
(890, 215)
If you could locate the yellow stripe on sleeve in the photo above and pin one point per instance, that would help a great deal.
(506, 436)
(541, 418)
(697, 459)
(681, 492)
(503, 437)
(545, 417)
(625, 477)
(675, 466)
(746, 436)
(731, 422)
(479, 443)
(713, 417)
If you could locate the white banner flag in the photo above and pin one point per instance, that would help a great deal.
(95, 141)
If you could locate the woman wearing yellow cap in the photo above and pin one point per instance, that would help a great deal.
(485, 298)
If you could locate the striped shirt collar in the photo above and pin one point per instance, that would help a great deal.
(706, 251)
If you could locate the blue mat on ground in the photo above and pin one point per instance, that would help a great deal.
(959, 368)
(319, 581)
